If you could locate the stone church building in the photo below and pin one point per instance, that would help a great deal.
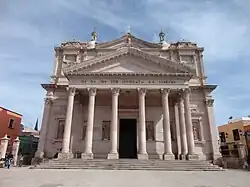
(128, 98)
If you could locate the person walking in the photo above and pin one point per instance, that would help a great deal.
(20, 160)
(9, 160)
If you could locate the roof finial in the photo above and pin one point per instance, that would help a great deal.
(129, 28)
(161, 35)
(94, 35)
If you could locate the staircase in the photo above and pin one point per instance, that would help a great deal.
(129, 164)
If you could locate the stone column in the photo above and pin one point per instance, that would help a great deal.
(210, 117)
(15, 149)
(113, 130)
(182, 130)
(4, 146)
(189, 127)
(168, 154)
(88, 154)
(142, 155)
(45, 120)
(201, 133)
(66, 153)
(177, 127)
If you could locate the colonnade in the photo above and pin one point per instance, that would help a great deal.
(185, 135)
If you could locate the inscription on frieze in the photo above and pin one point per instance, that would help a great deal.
(128, 82)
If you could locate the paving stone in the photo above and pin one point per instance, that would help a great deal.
(24, 177)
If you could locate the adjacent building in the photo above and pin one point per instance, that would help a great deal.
(10, 124)
(129, 98)
(235, 131)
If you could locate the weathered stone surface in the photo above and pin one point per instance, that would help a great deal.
(87, 156)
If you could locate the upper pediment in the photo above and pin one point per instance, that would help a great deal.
(128, 60)
(127, 40)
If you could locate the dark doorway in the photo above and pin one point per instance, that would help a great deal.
(128, 139)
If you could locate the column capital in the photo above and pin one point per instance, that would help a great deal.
(48, 101)
(209, 102)
(165, 91)
(181, 101)
(142, 91)
(72, 91)
(115, 91)
(187, 91)
(92, 91)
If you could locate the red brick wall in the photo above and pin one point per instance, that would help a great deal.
(5, 117)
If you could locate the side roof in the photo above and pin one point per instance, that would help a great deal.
(10, 111)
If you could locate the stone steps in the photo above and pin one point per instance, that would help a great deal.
(159, 165)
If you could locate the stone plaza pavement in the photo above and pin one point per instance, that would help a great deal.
(24, 177)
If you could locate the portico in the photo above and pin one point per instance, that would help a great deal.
(166, 89)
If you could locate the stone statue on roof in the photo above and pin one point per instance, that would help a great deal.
(162, 35)
(94, 36)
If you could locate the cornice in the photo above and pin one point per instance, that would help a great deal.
(207, 87)
(53, 86)
(187, 75)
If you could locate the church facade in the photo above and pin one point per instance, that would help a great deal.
(128, 98)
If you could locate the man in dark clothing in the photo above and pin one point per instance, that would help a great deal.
(9, 160)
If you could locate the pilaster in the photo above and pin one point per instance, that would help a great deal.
(45, 120)
(210, 116)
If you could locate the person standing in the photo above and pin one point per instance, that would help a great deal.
(20, 160)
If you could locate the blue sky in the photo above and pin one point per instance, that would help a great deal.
(29, 29)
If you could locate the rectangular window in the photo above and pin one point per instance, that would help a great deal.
(106, 130)
(71, 57)
(236, 135)
(150, 131)
(196, 129)
(222, 137)
(60, 128)
(11, 123)
(187, 58)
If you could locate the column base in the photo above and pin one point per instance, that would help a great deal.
(177, 157)
(183, 157)
(113, 156)
(87, 156)
(216, 156)
(142, 156)
(202, 156)
(168, 156)
(65, 155)
(193, 157)
(39, 154)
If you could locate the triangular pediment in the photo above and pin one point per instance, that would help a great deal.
(128, 60)
(127, 64)
(125, 41)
